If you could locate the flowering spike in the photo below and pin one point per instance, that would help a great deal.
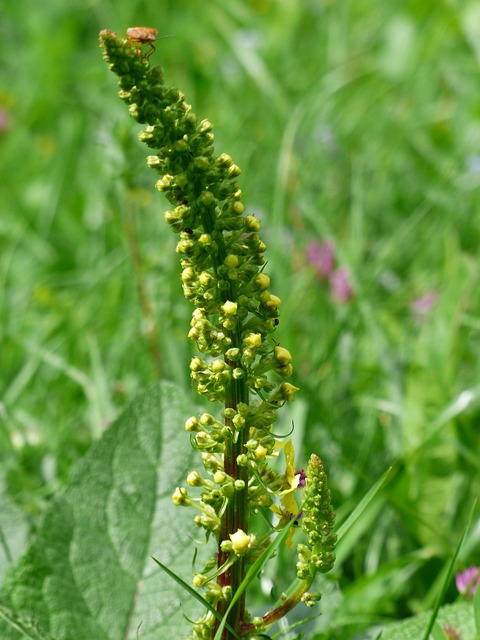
(317, 522)
(222, 262)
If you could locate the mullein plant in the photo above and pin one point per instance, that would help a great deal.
(240, 367)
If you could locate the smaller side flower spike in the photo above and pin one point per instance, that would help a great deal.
(318, 555)
(317, 522)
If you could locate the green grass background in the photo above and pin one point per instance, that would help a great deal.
(357, 122)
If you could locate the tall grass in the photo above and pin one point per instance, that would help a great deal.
(353, 122)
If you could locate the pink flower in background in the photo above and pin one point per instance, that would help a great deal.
(467, 581)
(4, 120)
(340, 285)
(322, 257)
(451, 632)
(425, 303)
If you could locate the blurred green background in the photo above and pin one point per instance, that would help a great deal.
(356, 123)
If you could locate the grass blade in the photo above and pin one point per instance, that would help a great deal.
(189, 589)
(449, 574)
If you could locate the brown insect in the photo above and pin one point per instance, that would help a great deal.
(142, 35)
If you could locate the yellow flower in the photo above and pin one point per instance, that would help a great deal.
(289, 506)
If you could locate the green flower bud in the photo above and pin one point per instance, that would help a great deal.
(286, 372)
(238, 208)
(203, 440)
(231, 261)
(185, 246)
(207, 522)
(206, 199)
(188, 274)
(199, 580)
(217, 366)
(229, 308)
(258, 623)
(239, 421)
(252, 224)
(226, 546)
(242, 460)
(193, 334)
(181, 498)
(164, 183)
(232, 354)
(233, 171)
(227, 593)
(261, 281)
(260, 452)
(194, 479)
(153, 161)
(206, 279)
(228, 490)
(205, 239)
(192, 424)
(220, 477)
(181, 146)
(248, 355)
(212, 461)
(310, 599)
(207, 420)
(253, 340)
(205, 126)
(224, 160)
(201, 163)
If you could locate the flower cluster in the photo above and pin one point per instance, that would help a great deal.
(467, 581)
(239, 366)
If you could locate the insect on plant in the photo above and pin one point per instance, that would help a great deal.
(142, 35)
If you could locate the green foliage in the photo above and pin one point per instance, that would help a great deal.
(457, 616)
(14, 530)
(89, 572)
(352, 121)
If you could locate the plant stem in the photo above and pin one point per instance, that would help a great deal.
(236, 513)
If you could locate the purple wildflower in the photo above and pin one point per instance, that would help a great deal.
(322, 257)
(467, 581)
(340, 285)
(425, 303)
(451, 632)
(4, 120)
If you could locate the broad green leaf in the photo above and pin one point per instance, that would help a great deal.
(13, 531)
(89, 573)
(20, 627)
(457, 616)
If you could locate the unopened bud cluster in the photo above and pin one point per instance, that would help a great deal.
(317, 522)
(239, 366)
